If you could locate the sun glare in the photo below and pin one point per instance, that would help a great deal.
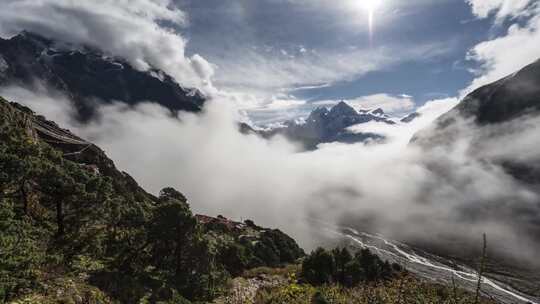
(370, 6)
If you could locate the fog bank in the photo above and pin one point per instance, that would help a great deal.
(395, 189)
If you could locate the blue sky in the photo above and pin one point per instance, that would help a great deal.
(419, 48)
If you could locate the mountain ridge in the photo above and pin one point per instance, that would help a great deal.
(486, 127)
(512, 97)
(325, 125)
(88, 75)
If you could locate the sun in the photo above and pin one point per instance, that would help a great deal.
(370, 6)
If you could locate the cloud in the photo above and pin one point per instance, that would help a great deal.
(401, 191)
(510, 52)
(268, 70)
(435, 108)
(247, 61)
(402, 133)
(501, 8)
(277, 109)
(134, 30)
(389, 103)
(267, 46)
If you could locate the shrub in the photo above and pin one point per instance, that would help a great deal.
(338, 266)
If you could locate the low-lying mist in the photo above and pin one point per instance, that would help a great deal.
(396, 189)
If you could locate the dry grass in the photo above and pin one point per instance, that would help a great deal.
(406, 289)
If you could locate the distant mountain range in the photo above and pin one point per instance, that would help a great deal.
(88, 75)
(325, 125)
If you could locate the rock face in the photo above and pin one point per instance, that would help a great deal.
(330, 125)
(411, 117)
(87, 75)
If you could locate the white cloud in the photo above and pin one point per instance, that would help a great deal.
(283, 104)
(506, 54)
(435, 108)
(277, 109)
(393, 104)
(501, 8)
(224, 172)
(389, 103)
(130, 29)
(402, 133)
(265, 71)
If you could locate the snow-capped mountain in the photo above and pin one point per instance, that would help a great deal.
(88, 76)
(325, 125)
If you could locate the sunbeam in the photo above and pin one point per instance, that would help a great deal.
(371, 6)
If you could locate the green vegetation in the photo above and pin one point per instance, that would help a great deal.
(338, 277)
(289, 286)
(72, 234)
(339, 266)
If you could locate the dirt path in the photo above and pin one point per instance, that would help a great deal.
(244, 290)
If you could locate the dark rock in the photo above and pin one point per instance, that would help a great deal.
(88, 76)
(410, 117)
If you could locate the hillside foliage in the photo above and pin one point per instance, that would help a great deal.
(71, 233)
(341, 267)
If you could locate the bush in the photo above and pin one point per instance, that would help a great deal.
(319, 267)
(338, 266)
(275, 248)
(318, 298)
(234, 258)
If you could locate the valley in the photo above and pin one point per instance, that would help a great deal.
(269, 152)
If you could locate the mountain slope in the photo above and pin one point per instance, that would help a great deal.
(77, 230)
(506, 99)
(501, 111)
(513, 97)
(87, 75)
(496, 127)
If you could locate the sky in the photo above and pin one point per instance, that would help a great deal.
(276, 60)
(290, 50)
(415, 50)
